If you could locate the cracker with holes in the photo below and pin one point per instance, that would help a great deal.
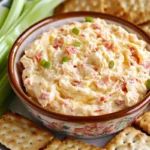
(19, 133)
(84, 5)
(70, 144)
(129, 139)
(137, 12)
(144, 122)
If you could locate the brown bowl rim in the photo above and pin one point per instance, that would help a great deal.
(80, 119)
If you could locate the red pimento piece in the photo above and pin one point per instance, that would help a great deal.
(95, 49)
(99, 35)
(96, 69)
(99, 110)
(96, 26)
(38, 56)
(102, 99)
(71, 50)
(109, 45)
(76, 82)
(44, 96)
(138, 60)
(133, 51)
(62, 29)
(58, 42)
(104, 40)
(82, 35)
(131, 64)
(119, 102)
(124, 88)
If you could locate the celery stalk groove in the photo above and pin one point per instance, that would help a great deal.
(3, 14)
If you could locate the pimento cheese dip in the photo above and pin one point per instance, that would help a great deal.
(86, 68)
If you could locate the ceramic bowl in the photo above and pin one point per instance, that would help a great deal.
(77, 126)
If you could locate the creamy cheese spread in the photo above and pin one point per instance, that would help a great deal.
(86, 68)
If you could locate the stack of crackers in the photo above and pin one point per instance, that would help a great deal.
(135, 11)
(19, 133)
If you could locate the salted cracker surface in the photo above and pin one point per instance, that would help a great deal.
(19, 133)
(129, 139)
(70, 144)
(144, 122)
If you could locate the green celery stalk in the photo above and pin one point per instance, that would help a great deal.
(13, 15)
(37, 11)
(27, 4)
(5, 106)
(5, 87)
(24, 12)
(3, 14)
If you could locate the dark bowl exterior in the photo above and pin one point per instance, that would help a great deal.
(79, 126)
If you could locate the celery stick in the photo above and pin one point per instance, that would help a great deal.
(3, 14)
(27, 5)
(5, 106)
(13, 15)
(4, 86)
(37, 11)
